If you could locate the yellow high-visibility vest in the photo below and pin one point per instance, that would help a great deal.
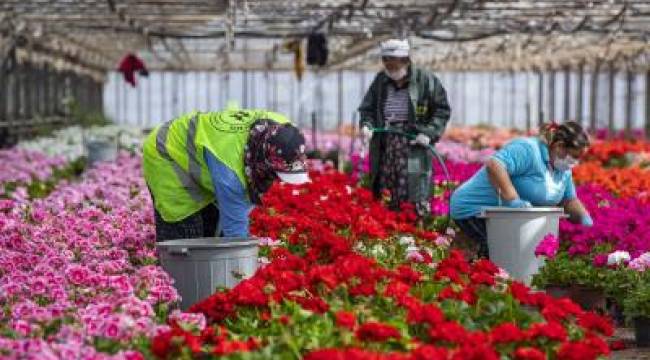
(173, 163)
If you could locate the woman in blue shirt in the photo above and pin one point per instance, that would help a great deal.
(532, 171)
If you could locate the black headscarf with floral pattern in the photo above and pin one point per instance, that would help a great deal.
(271, 147)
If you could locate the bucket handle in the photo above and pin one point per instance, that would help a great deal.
(178, 251)
(483, 215)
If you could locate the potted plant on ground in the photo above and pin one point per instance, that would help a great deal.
(637, 309)
(573, 277)
(621, 280)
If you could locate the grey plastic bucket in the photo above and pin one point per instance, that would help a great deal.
(101, 151)
(513, 234)
(199, 266)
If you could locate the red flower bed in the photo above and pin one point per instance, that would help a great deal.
(341, 286)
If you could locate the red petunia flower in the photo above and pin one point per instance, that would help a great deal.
(161, 345)
(529, 353)
(595, 322)
(406, 274)
(346, 319)
(429, 352)
(476, 351)
(448, 331)
(552, 331)
(617, 345)
(481, 278)
(427, 313)
(396, 289)
(507, 333)
(376, 331)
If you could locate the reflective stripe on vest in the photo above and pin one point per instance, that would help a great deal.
(193, 163)
(190, 181)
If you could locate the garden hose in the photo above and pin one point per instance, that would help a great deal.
(435, 154)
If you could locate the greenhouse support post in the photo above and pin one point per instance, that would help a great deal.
(138, 99)
(20, 93)
(125, 100)
(551, 96)
(611, 78)
(339, 114)
(28, 93)
(629, 101)
(593, 98)
(647, 103)
(162, 96)
(540, 97)
(580, 93)
(149, 103)
(313, 130)
(567, 94)
(3, 97)
(208, 88)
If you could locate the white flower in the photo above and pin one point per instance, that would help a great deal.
(348, 188)
(413, 253)
(414, 256)
(378, 250)
(323, 197)
(263, 261)
(295, 192)
(443, 241)
(407, 240)
(641, 263)
(618, 257)
(502, 274)
(267, 241)
(69, 142)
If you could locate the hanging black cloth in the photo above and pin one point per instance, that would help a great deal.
(317, 49)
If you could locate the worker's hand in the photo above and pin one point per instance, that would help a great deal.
(366, 134)
(517, 203)
(587, 221)
(421, 139)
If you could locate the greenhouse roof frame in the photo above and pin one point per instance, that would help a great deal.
(219, 35)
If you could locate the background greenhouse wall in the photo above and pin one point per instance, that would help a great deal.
(507, 99)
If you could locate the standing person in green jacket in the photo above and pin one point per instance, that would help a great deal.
(409, 99)
(206, 171)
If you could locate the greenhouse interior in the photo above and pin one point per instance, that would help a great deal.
(346, 179)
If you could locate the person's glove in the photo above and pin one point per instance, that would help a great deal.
(518, 203)
(421, 139)
(587, 221)
(366, 134)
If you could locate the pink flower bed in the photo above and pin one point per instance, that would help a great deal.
(458, 152)
(24, 166)
(21, 168)
(77, 269)
(623, 223)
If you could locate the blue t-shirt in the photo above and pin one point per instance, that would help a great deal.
(527, 162)
(232, 198)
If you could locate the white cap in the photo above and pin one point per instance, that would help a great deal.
(395, 48)
(295, 178)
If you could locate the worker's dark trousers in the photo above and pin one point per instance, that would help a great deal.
(200, 224)
(475, 229)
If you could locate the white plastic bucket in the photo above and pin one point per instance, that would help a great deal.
(199, 266)
(101, 151)
(513, 234)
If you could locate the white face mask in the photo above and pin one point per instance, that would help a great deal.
(398, 74)
(568, 163)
